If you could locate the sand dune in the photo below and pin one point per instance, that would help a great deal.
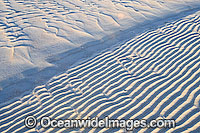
(154, 75)
(33, 33)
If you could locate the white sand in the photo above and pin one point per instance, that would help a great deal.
(36, 34)
(154, 75)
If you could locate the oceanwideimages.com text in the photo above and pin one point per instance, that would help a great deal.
(47, 122)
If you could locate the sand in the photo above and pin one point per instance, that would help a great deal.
(154, 75)
(43, 38)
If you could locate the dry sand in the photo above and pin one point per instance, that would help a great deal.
(154, 75)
